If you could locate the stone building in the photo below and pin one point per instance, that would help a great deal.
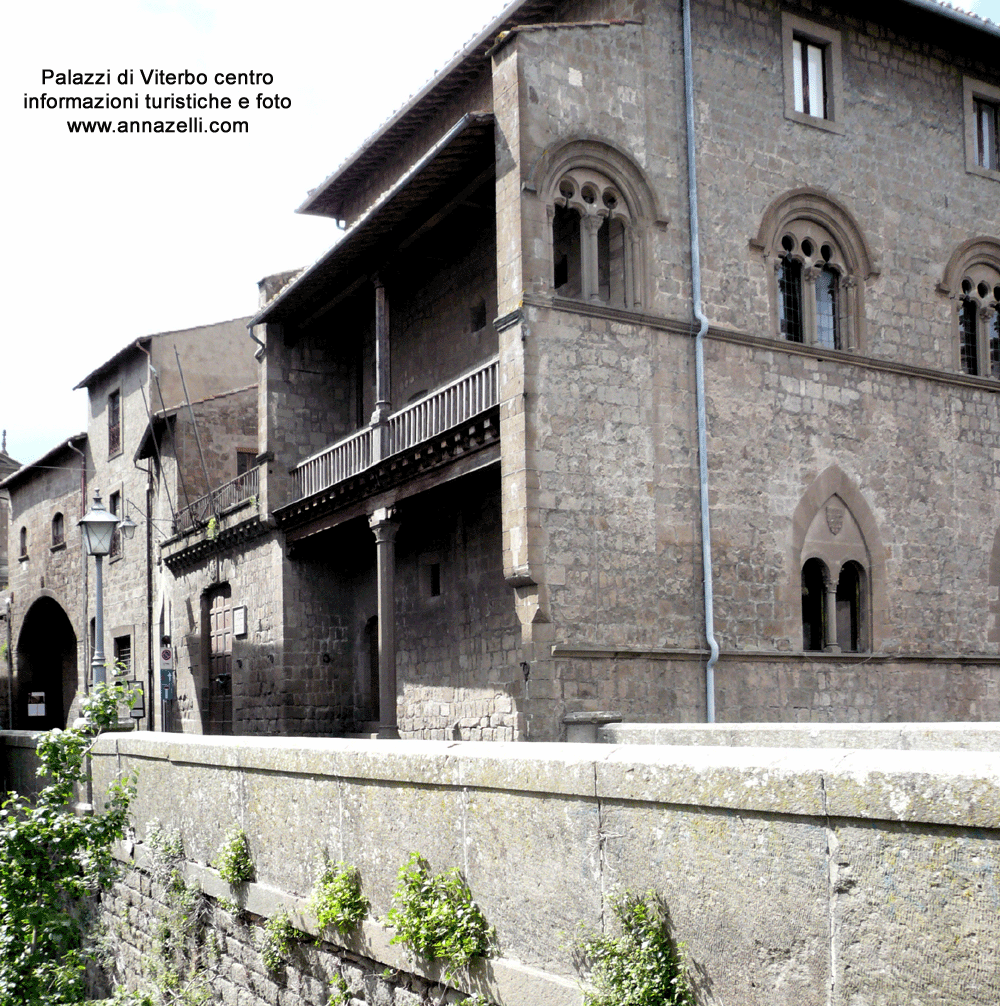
(481, 494)
(160, 435)
(48, 603)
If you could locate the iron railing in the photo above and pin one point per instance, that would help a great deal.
(439, 410)
(231, 493)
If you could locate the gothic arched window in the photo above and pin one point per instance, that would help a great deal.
(599, 207)
(972, 279)
(819, 263)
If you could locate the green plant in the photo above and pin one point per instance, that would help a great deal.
(340, 992)
(436, 917)
(642, 966)
(277, 937)
(336, 900)
(233, 860)
(212, 529)
(53, 860)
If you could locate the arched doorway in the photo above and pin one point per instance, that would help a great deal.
(46, 681)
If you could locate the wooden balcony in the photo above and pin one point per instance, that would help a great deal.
(435, 413)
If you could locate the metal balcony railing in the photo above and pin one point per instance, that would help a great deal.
(235, 491)
(439, 410)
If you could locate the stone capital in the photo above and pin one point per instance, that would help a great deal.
(383, 525)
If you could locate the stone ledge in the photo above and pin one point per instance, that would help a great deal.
(928, 786)
(898, 736)
(508, 982)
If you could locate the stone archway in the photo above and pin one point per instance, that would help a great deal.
(46, 664)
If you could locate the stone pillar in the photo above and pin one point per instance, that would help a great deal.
(385, 563)
(830, 622)
(589, 226)
(383, 405)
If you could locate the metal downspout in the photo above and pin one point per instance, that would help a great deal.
(699, 371)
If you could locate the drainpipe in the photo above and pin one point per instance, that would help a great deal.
(85, 601)
(699, 372)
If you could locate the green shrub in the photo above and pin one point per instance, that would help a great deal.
(336, 900)
(436, 917)
(233, 860)
(641, 967)
(53, 860)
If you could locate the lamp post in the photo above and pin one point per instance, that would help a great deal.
(98, 528)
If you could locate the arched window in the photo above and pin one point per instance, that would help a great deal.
(58, 534)
(972, 279)
(23, 542)
(835, 582)
(818, 263)
(593, 241)
(839, 566)
(599, 207)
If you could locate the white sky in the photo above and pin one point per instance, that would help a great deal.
(107, 238)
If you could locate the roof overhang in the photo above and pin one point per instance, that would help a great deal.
(468, 63)
(148, 442)
(73, 444)
(458, 160)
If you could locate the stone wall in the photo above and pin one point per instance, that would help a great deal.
(436, 330)
(804, 874)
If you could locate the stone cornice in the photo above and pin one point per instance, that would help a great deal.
(598, 651)
(680, 327)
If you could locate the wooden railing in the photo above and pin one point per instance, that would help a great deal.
(444, 408)
(235, 491)
(333, 464)
(439, 410)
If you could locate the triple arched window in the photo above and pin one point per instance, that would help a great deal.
(972, 280)
(599, 207)
(593, 241)
(818, 263)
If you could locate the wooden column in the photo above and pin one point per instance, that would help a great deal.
(383, 405)
(385, 530)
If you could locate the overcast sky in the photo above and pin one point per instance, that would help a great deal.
(107, 238)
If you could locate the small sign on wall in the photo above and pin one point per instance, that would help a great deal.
(240, 620)
(36, 703)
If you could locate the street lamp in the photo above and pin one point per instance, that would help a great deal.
(98, 528)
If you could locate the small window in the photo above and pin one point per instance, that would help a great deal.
(477, 316)
(809, 77)
(23, 542)
(982, 128)
(987, 134)
(979, 322)
(245, 461)
(813, 77)
(115, 507)
(123, 656)
(434, 579)
(58, 532)
(114, 423)
(810, 310)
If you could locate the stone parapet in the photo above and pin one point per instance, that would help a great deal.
(805, 867)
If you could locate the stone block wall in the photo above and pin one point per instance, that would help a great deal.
(435, 333)
(803, 874)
